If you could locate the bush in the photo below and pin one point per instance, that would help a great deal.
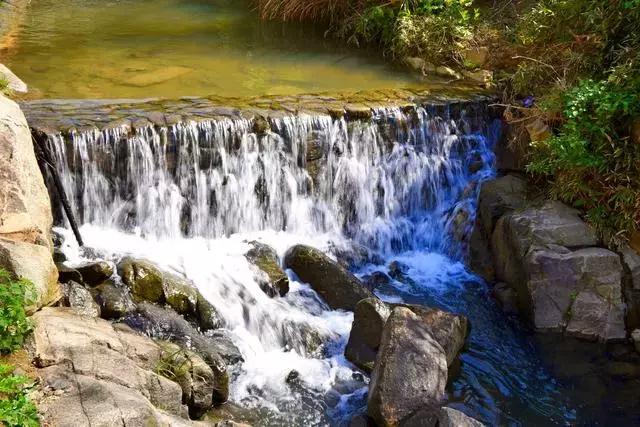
(14, 325)
(16, 410)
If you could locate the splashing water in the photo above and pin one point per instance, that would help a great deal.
(190, 196)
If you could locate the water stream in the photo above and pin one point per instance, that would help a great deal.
(191, 196)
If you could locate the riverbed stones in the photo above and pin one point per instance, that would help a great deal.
(95, 273)
(410, 371)
(265, 258)
(94, 374)
(79, 299)
(338, 287)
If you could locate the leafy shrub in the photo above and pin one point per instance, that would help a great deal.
(14, 325)
(16, 410)
(594, 161)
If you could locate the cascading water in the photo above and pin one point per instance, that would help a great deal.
(401, 185)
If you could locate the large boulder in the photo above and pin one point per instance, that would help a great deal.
(143, 278)
(33, 263)
(114, 300)
(370, 317)
(25, 211)
(562, 282)
(95, 374)
(265, 258)
(499, 197)
(410, 371)
(338, 287)
(443, 417)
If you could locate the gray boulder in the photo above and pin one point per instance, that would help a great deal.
(265, 258)
(499, 197)
(338, 287)
(370, 317)
(79, 299)
(410, 371)
(441, 417)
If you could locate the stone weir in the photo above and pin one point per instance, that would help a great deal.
(363, 164)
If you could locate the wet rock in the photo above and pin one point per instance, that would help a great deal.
(410, 371)
(362, 420)
(193, 375)
(337, 286)
(114, 301)
(398, 271)
(631, 265)
(240, 416)
(79, 299)
(355, 255)
(180, 294)
(103, 375)
(448, 329)
(375, 280)
(143, 278)
(479, 257)
(303, 338)
(369, 318)
(358, 112)
(95, 273)
(506, 297)
(442, 417)
(207, 315)
(266, 259)
(59, 256)
(67, 274)
(216, 351)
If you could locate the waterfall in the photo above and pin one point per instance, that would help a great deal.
(390, 183)
(190, 195)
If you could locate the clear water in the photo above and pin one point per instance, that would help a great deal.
(191, 196)
(173, 48)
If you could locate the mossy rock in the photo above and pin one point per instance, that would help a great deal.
(180, 294)
(207, 315)
(114, 300)
(95, 273)
(143, 278)
(266, 259)
(336, 285)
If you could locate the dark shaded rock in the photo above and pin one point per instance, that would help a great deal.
(67, 274)
(410, 371)
(266, 259)
(442, 417)
(95, 273)
(506, 297)
(337, 286)
(479, 257)
(303, 338)
(114, 300)
(375, 280)
(362, 420)
(369, 318)
(59, 256)
(207, 315)
(143, 278)
(499, 197)
(79, 299)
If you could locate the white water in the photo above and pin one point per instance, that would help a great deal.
(190, 197)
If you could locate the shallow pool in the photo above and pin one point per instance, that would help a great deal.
(172, 48)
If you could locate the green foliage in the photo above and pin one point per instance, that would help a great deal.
(16, 410)
(14, 325)
(594, 161)
(436, 30)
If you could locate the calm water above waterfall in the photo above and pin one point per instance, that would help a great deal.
(190, 197)
(172, 48)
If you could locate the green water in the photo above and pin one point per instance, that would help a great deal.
(172, 48)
